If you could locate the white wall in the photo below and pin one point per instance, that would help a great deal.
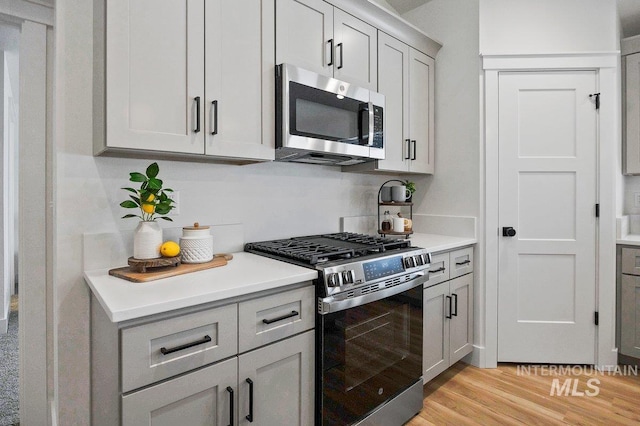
(547, 26)
(272, 200)
(454, 189)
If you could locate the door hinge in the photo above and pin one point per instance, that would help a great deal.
(597, 96)
(596, 318)
(598, 210)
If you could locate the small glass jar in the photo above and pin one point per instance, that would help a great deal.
(386, 222)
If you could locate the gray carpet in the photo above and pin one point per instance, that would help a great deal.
(9, 370)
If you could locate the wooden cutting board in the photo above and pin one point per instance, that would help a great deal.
(127, 273)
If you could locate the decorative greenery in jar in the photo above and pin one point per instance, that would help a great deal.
(151, 198)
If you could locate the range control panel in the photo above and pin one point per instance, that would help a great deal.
(349, 275)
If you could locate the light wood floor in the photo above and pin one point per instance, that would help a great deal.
(466, 395)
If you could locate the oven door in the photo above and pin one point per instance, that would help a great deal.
(367, 355)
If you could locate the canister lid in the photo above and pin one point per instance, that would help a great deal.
(196, 227)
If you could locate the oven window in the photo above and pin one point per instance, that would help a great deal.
(370, 353)
(319, 114)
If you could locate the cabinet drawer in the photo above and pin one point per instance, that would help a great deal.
(631, 261)
(461, 262)
(439, 269)
(275, 317)
(161, 349)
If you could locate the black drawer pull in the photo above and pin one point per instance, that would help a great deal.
(197, 129)
(448, 316)
(455, 305)
(165, 351)
(269, 321)
(440, 269)
(466, 262)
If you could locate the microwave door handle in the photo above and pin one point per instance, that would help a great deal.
(371, 123)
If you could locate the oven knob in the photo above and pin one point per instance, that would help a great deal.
(409, 262)
(348, 277)
(333, 280)
(419, 260)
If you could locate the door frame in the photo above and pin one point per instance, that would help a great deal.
(608, 164)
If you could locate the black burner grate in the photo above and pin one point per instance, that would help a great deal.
(322, 248)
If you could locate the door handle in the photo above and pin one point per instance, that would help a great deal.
(448, 316)
(408, 157)
(330, 43)
(197, 129)
(250, 415)
(508, 231)
(413, 141)
(341, 61)
(214, 104)
(455, 305)
(230, 390)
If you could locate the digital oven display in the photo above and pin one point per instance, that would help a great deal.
(383, 268)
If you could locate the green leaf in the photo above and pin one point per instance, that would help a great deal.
(152, 170)
(130, 190)
(168, 190)
(165, 218)
(135, 199)
(137, 177)
(163, 209)
(127, 216)
(128, 204)
(163, 197)
(155, 183)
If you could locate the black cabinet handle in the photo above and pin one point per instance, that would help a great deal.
(414, 149)
(230, 390)
(269, 321)
(165, 351)
(250, 416)
(449, 315)
(331, 52)
(215, 117)
(464, 262)
(197, 99)
(408, 157)
(455, 305)
(440, 269)
(341, 48)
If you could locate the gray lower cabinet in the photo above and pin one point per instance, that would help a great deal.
(245, 362)
(629, 302)
(267, 386)
(448, 312)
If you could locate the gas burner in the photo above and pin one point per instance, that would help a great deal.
(317, 249)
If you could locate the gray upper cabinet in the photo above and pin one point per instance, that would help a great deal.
(631, 105)
(186, 77)
(314, 35)
(406, 78)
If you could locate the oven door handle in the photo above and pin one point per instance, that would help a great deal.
(328, 305)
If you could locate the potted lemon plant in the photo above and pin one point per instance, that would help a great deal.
(153, 203)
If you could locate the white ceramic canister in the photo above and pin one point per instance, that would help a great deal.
(196, 244)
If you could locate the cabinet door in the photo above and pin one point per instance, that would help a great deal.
(154, 74)
(461, 323)
(630, 316)
(235, 39)
(632, 116)
(282, 376)
(435, 341)
(393, 83)
(198, 398)
(356, 51)
(304, 35)
(421, 107)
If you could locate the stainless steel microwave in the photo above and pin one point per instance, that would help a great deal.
(322, 120)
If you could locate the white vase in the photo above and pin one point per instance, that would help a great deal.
(147, 239)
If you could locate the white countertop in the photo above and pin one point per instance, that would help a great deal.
(435, 242)
(630, 240)
(246, 273)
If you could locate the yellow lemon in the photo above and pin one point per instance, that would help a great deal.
(149, 208)
(170, 249)
(150, 198)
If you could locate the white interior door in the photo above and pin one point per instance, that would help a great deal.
(547, 192)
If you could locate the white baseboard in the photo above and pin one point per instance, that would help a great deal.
(4, 325)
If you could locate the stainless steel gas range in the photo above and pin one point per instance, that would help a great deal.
(368, 324)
